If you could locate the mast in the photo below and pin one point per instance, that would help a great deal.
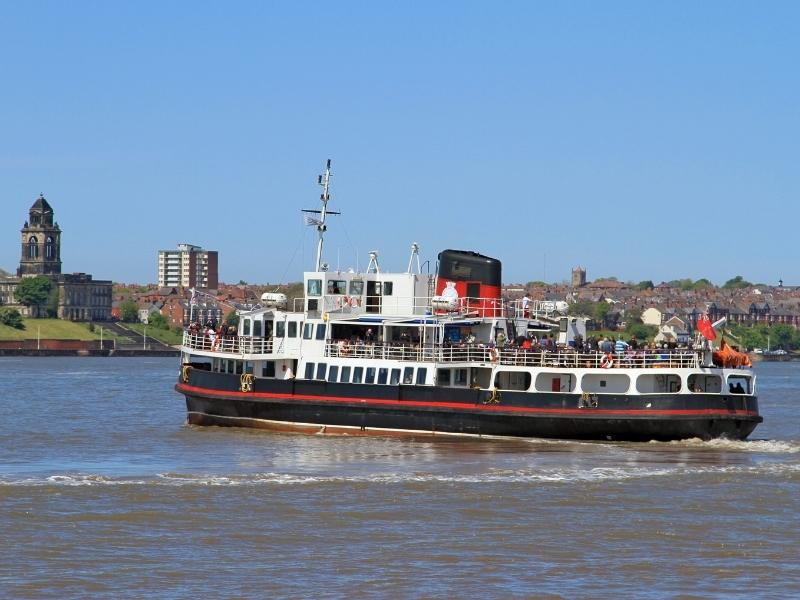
(325, 181)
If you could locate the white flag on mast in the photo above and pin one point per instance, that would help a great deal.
(311, 220)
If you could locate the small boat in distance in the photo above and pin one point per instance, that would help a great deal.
(414, 353)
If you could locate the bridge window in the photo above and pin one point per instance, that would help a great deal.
(256, 328)
(337, 286)
(321, 331)
(460, 377)
(356, 288)
(280, 329)
(358, 373)
(421, 375)
(395, 378)
(268, 369)
(443, 377)
(292, 329)
(408, 375)
(345, 378)
(314, 287)
(307, 329)
(309, 371)
(388, 286)
(246, 327)
(370, 378)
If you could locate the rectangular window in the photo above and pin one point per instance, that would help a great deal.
(443, 377)
(313, 305)
(321, 331)
(460, 377)
(256, 328)
(280, 329)
(337, 286)
(421, 374)
(309, 371)
(239, 367)
(333, 373)
(314, 287)
(248, 367)
(388, 286)
(408, 375)
(307, 329)
(268, 369)
(292, 329)
(370, 378)
(246, 327)
(358, 373)
(345, 378)
(321, 368)
(383, 374)
(356, 288)
(395, 378)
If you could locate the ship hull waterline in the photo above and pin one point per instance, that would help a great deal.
(321, 407)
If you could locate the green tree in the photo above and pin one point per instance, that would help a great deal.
(645, 285)
(11, 317)
(52, 302)
(702, 284)
(601, 309)
(33, 291)
(736, 283)
(641, 331)
(232, 319)
(157, 320)
(129, 311)
(582, 308)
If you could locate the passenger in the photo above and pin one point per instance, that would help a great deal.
(500, 339)
(469, 339)
(633, 344)
(606, 346)
(620, 345)
(370, 336)
(287, 372)
(526, 303)
(738, 389)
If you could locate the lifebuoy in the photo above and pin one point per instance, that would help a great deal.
(493, 354)
(607, 361)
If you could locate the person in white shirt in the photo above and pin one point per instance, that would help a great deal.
(287, 372)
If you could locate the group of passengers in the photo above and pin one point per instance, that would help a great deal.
(211, 334)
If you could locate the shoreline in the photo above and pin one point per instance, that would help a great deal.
(34, 353)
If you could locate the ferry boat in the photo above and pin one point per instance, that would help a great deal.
(415, 353)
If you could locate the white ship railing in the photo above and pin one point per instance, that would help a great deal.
(516, 356)
(239, 344)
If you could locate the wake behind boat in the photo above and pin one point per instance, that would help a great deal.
(418, 353)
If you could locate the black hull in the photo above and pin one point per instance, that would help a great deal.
(322, 407)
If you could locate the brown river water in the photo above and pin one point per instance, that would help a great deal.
(105, 492)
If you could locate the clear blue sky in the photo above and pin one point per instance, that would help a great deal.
(642, 140)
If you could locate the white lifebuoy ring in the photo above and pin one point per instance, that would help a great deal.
(493, 354)
(607, 361)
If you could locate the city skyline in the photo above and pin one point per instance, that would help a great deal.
(638, 141)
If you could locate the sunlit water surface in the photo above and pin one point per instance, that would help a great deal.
(104, 491)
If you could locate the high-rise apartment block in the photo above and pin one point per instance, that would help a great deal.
(189, 266)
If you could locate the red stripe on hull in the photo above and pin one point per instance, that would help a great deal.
(488, 408)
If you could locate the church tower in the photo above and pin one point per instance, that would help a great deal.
(41, 242)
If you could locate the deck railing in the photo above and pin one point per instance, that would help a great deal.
(516, 356)
(240, 344)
